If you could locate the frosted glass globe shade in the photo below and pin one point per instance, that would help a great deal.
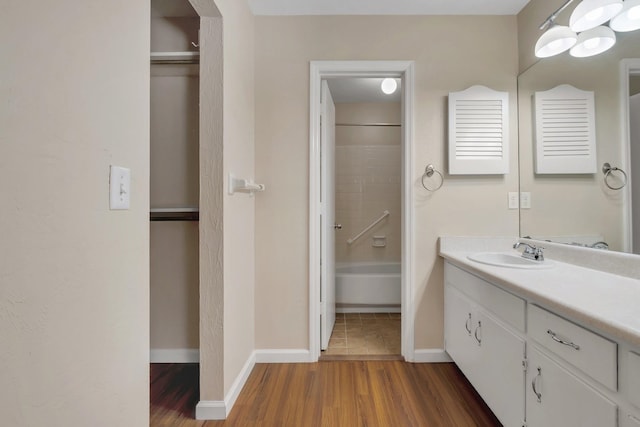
(389, 86)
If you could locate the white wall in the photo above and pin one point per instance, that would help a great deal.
(74, 276)
(450, 54)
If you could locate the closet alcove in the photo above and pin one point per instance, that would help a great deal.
(174, 182)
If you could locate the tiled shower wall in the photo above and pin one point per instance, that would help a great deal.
(368, 177)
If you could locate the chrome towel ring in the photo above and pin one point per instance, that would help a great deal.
(428, 173)
(607, 170)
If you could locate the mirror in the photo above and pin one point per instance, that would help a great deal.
(580, 208)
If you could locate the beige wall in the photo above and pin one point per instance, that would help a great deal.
(239, 209)
(450, 54)
(174, 285)
(227, 224)
(368, 173)
(174, 34)
(74, 276)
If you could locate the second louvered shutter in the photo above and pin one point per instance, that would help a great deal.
(565, 131)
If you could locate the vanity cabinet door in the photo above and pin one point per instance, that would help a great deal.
(460, 344)
(501, 374)
(489, 355)
(556, 397)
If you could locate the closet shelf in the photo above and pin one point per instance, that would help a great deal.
(175, 57)
(174, 214)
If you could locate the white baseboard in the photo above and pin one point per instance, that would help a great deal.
(219, 410)
(211, 410)
(177, 355)
(283, 356)
(241, 379)
(437, 355)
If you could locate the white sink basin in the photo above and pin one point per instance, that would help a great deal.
(502, 259)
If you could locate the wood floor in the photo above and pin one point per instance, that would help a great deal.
(344, 393)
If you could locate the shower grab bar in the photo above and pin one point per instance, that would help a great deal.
(373, 224)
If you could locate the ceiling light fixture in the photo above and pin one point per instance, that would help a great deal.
(628, 19)
(592, 13)
(389, 86)
(593, 42)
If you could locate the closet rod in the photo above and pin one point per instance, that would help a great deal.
(394, 125)
(158, 58)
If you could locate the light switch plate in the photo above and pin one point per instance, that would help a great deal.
(525, 200)
(513, 200)
(119, 188)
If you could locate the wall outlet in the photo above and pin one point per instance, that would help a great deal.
(525, 200)
(119, 188)
(513, 200)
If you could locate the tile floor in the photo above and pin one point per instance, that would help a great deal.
(365, 334)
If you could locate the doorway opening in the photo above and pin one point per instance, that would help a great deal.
(367, 205)
(361, 215)
(174, 182)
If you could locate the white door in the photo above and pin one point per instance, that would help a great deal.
(327, 224)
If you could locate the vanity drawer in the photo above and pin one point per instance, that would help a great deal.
(633, 376)
(507, 307)
(587, 351)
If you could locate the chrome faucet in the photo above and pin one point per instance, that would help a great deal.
(530, 251)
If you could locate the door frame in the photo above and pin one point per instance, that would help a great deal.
(628, 68)
(397, 69)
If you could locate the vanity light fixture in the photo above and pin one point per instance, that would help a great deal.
(586, 36)
(389, 86)
(628, 19)
(592, 13)
(555, 40)
(593, 41)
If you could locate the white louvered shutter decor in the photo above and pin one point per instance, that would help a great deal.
(478, 132)
(565, 131)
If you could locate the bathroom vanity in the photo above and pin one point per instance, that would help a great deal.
(557, 345)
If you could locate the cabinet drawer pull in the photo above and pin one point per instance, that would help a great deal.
(534, 384)
(475, 333)
(467, 324)
(554, 337)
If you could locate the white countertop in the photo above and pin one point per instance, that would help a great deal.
(599, 300)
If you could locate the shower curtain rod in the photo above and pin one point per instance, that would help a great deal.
(395, 125)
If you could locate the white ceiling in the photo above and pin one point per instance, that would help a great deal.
(360, 90)
(386, 7)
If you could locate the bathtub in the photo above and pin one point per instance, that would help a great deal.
(368, 287)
